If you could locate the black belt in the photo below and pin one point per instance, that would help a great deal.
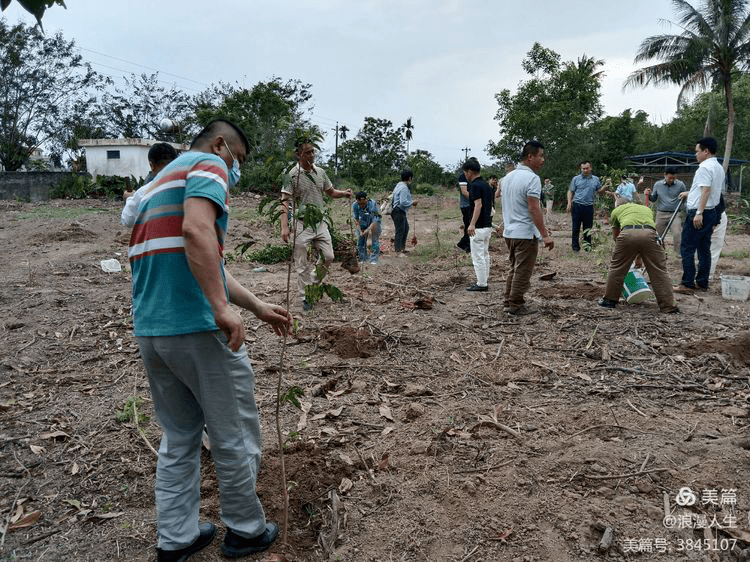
(637, 226)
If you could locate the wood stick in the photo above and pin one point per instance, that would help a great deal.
(618, 476)
(636, 409)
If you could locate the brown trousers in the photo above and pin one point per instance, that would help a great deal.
(634, 242)
(522, 256)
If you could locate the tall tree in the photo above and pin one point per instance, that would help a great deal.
(272, 114)
(713, 46)
(555, 105)
(136, 109)
(45, 84)
(408, 127)
(376, 151)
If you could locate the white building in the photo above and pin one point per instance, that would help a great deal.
(120, 157)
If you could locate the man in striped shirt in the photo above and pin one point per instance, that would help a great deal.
(192, 344)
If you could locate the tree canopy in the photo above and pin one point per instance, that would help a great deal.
(713, 46)
(45, 88)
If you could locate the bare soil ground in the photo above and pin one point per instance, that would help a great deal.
(441, 431)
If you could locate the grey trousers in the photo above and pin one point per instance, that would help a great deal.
(196, 379)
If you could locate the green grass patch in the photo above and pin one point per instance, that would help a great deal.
(60, 212)
(736, 254)
(429, 249)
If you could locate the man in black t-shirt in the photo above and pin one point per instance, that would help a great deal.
(480, 225)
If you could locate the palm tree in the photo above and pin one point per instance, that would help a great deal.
(342, 131)
(712, 48)
(408, 134)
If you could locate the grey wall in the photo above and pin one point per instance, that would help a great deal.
(29, 186)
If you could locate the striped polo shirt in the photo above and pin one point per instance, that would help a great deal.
(167, 299)
(307, 186)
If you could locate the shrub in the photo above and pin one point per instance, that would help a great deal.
(270, 254)
(423, 189)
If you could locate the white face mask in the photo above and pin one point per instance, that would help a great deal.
(234, 174)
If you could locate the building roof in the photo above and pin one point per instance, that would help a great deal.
(128, 142)
(673, 159)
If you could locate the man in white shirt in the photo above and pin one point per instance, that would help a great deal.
(523, 226)
(702, 217)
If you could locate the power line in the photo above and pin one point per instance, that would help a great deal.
(143, 66)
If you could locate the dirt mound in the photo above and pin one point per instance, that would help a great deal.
(738, 348)
(74, 232)
(345, 341)
(588, 291)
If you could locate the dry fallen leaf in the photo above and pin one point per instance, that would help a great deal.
(26, 521)
(54, 435)
(110, 515)
(385, 412)
(383, 462)
(345, 485)
(74, 503)
(75, 469)
(36, 449)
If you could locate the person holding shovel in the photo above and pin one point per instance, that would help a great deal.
(666, 193)
(366, 215)
(634, 231)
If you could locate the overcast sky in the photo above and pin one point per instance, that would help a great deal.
(438, 61)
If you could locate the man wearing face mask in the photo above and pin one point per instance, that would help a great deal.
(192, 344)
(306, 184)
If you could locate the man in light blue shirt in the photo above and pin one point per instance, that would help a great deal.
(583, 190)
(402, 201)
(626, 189)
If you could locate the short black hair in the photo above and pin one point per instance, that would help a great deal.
(406, 175)
(214, 127)
(531, 148)
(362, 195)
(162, 153)
(709, 143)
(473, 165)
(671, 170)
(493, 177)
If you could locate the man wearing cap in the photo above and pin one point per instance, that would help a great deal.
(634, 231)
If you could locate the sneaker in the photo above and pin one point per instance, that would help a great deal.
(374, 261)
(475, 287)
(235, 546)
(684, 290)
(522, 310)
(607, 303)
(306, 306)
(207, 532)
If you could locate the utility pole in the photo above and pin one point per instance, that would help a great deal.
(466, 153)
(336, 151)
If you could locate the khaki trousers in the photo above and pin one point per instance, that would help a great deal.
(320, 239)
(522, 256)
(662, 218)
(634, 242)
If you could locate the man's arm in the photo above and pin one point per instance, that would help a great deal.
(535, 210)
(202, 252)
(338, 193)
(284, 218)
(570, 201)
(275, 315)
(464, 188)
(705, 193)
(471, 229)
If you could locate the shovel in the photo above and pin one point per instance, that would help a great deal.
(660, 237)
